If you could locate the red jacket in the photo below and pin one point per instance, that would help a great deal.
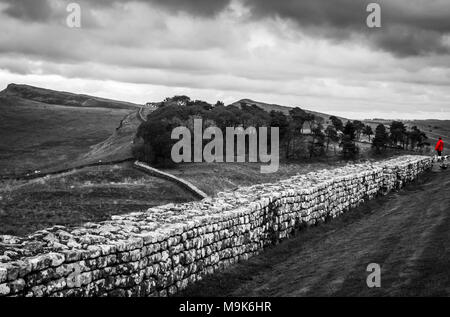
(440, 146)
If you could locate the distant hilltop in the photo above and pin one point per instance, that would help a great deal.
(63, 98)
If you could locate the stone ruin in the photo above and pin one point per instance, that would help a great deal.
(160, 251)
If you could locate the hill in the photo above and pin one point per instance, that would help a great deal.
(49, 130)
(90, 194)
(434, 129)
(63, 98)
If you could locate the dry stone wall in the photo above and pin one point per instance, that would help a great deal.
(181, 182)
(160, 251)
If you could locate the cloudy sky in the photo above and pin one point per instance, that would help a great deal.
(316, 54)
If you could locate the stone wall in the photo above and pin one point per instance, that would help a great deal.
(181, 182)
(160, 251)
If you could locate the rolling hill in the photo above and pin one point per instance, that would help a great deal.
(63, 98)
(48, 130)
(434, 129)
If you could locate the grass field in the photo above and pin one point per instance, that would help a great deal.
(64, 98)
(36, 136)
(215, 177)
(89, 195)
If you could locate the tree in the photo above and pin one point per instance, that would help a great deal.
(316, 147)
(332, 135)
(381, 139)
(299, 117)
(337, 123)
(398, 133)
(312, 121)
(350, 130)
(157, 140)
(223, 117)
(280, 120)
(315, 121)
(417, 138)
(198, 103)
(368, 131)
(180, 100)
(349, 148)
(255, 116)
(359, 127)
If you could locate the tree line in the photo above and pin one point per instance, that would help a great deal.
(301, 134)
(399, 136)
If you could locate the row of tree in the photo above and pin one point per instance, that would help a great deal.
(399, 136)
(295, 141)
(181, 111)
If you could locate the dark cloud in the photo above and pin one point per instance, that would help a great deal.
(411, 41)
(28, 10)
(430, 15)
(341, 13)
(48, 11)
(409, 27)
(199, 7)
(202, 8)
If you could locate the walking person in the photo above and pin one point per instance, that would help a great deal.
(439, 147)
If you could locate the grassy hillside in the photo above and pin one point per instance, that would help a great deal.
(36, 135)
(63, 98)
(434, 129)
(88, 195)
(216, 177)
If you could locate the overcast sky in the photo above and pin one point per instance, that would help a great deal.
(316, 54)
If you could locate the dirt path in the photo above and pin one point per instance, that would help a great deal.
(406, 233)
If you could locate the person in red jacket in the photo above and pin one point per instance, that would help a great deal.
(439, 147)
